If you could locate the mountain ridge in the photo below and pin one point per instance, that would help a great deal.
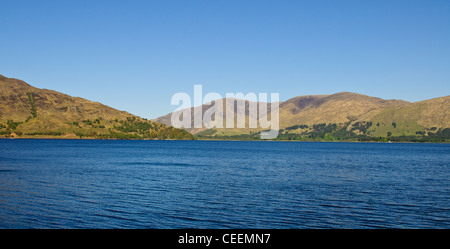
(352, 114)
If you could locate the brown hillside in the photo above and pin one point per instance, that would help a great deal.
(28, 110)
(15, 104)
(335, 108)
(315, 109)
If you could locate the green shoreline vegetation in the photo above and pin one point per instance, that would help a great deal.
(356, 132)
(136, 129)
(131, 128)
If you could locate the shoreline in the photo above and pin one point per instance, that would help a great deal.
(205, 139)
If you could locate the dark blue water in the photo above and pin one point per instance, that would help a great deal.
(217, 184)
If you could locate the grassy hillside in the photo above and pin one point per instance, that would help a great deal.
(412, 118)
(335, 108)
(26, 111)
(228, 131)
(348, 116)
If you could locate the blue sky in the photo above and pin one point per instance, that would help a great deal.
(134, 55)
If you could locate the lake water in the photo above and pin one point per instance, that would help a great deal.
(222, 184)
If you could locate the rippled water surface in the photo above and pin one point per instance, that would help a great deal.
(218, 184)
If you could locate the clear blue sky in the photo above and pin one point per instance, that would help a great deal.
(134, 55)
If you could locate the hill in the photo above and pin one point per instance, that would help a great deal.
(26, 111)
(166, 119)
(423, 116)
(335, 108)
(347, 116)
